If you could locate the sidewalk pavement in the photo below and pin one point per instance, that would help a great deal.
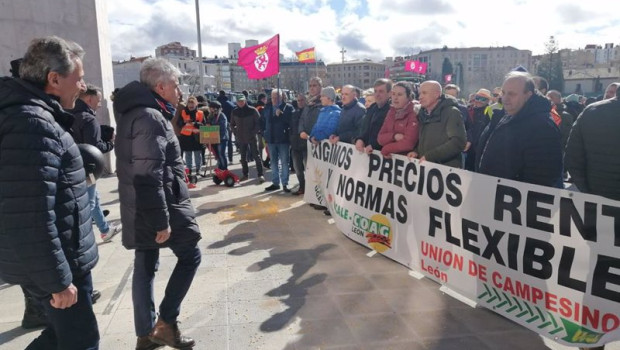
(276, 274)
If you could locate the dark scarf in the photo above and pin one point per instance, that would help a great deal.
(166, 108)
(192, 114)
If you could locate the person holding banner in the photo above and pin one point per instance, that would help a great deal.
(217, 117)
(366, 139)
(442, 132)
(593, 150)
(327, 122)
(351, 116)
(525, 144)
(399, 133)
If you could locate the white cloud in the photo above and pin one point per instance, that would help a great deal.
(391, 27)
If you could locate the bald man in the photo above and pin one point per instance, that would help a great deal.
(442, 132)
(525, 144)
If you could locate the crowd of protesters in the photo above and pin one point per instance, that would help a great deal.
(521, 131)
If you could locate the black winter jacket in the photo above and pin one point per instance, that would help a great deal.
(593, 150)
(351, 121)
(245, 124)
(86, 128)
(151, 175)
(524, 147)
(277, 128)
(46, 234)
(372, 123)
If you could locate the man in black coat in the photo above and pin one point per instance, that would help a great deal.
(156, 211)
(86, 129)
(372, 122)
(593, 151)
(46, 239)
(524, 145)
(278, 116)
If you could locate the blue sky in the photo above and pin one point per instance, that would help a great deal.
(370, 29)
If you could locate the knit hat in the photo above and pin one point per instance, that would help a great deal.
(484, 93)
(215, 104)
(329, 92)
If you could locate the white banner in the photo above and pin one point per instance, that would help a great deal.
(546, 258)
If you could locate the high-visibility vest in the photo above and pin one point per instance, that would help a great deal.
(190, 129)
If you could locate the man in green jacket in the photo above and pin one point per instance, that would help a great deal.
(442, 133)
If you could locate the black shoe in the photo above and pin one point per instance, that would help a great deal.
(286, 189)
(320, 207)
(327, 213)
(95, 295)
(106, 212)
(273, 187)
(298, 192)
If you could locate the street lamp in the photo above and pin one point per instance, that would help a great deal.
(200, 67)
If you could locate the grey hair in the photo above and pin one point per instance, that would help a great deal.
(49, 54)
(318, 80)
(158, 70)
(280, 94)
(530, 84)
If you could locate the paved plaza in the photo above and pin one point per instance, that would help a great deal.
(276, 274)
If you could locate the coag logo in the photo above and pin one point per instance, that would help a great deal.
(377, 229)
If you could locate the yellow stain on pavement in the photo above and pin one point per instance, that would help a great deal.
(255, 210)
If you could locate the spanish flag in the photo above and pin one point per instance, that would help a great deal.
(306, 56)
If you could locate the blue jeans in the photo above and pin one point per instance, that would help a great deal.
(280, 162)
(73, 328)
(145, 264)
(95, 210)
(222, 161)
(197, 156)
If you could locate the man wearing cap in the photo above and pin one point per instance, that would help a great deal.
(524, 145)
(245, 125)
(442, 132)
(217, 117)
(477, 120)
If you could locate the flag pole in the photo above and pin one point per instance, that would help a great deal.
(316, 62)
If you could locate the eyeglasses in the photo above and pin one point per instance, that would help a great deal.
(481, 99)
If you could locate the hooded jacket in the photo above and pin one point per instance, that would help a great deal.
(46, 234)
(442, 133)
(151, 175)
(524, 147)
(245, 123)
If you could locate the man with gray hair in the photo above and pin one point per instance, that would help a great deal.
(353, 112)
(156, 211)
(46, 236)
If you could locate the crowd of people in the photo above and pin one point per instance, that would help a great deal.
(520, 131)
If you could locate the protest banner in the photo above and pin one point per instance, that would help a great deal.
(547, 259)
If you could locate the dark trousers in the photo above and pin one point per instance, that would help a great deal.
(74, 328)
(299, 164)
(145, 264)
(230, 149)
(250, 147)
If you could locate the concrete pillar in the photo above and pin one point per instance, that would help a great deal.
(82, 21)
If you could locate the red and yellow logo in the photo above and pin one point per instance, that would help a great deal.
(378, 231)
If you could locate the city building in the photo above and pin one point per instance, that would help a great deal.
(590, 82)
(395, 69)
(474, 67)
(358, 73)
(174, 49)
(293, 76)
(233, 50)
(127, 71)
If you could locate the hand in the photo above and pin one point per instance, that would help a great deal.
(412, 155)
(423, 159)
(368, 149)
(334, 139)
(359, 145)
(398, 136)
(65, 299)
(467, 146)
(314, 141)
(163, 235)
(303, 135)
(278, 112)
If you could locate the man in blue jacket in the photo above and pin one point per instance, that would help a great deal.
(46, 236)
